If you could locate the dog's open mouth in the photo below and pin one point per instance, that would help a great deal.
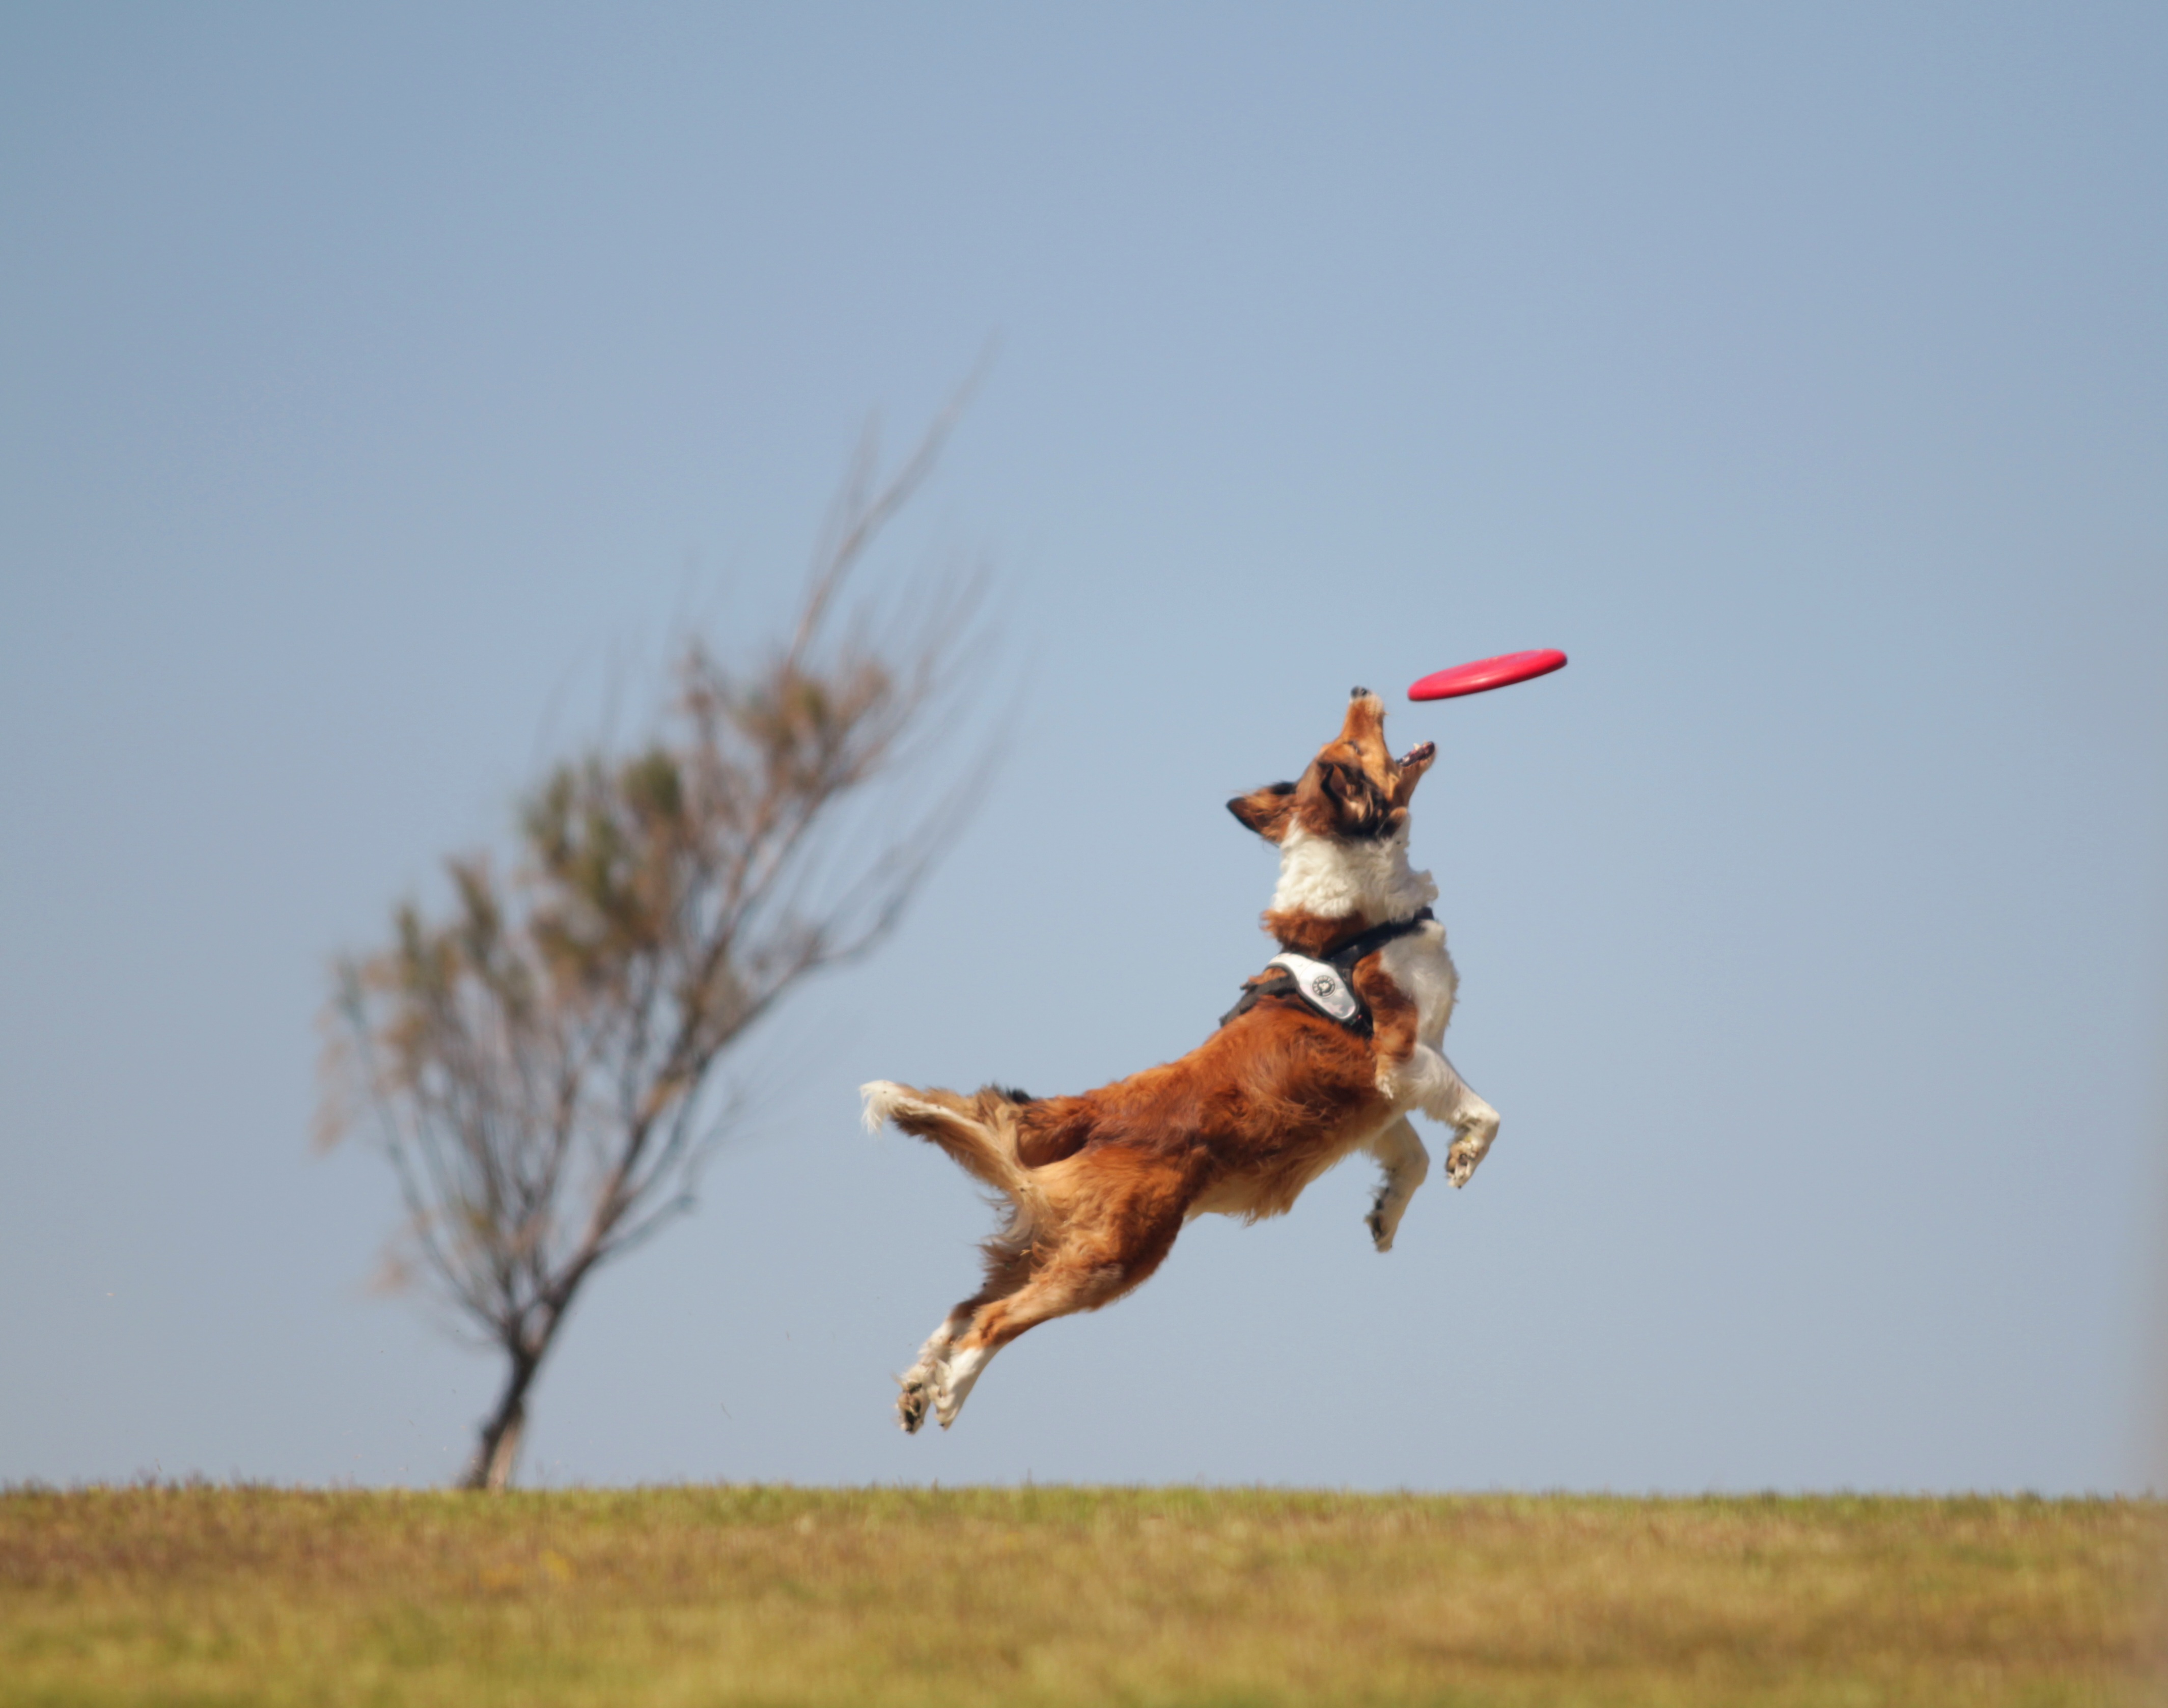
(1419, 754)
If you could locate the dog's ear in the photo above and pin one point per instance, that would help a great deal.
(1266, 810)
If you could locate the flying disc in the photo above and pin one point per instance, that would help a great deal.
(1487, 673)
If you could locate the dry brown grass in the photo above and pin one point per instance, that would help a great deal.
(1066, 1595)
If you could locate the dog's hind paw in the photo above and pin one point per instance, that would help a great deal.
(956, 1379)
(1381, 1235)
(911, 1404)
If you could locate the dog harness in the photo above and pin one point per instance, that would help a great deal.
(1327, 985)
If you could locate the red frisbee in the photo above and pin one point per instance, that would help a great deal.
(1487, 673)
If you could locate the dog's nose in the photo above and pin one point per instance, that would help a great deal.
(1357, 693)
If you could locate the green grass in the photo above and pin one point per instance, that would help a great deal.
(723, 1595)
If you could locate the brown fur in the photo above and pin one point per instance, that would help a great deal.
(1240, 1126)
(1314, 935)
(1101, 1182)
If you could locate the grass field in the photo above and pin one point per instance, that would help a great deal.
(696, 1595)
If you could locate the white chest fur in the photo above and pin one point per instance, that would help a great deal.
(1333, 879)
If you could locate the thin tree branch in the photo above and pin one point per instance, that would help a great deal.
(536, 1065)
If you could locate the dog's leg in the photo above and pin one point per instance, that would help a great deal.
(1406, 1165)
(1414, 1076)
(1065, 1288)
(1124, 1209)
(1473, 1122)
(923, 1378)
(1009, 1271)
(958, 1378)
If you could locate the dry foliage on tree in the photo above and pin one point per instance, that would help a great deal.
(538, 1066)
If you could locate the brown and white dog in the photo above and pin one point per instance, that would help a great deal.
(1326, 1054)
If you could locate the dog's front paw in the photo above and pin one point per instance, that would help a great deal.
(911, 1404)
(1384, 1220)
(1478, 1125)
(1465, 1152)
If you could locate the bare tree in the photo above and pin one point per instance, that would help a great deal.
(539, 1066)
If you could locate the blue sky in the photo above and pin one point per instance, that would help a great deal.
(378, 388)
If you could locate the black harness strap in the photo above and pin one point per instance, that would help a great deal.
(1343, 959)
(1278, 983)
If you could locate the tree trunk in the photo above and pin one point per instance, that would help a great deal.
(498, 1452)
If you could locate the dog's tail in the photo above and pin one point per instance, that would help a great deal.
(981, 1134)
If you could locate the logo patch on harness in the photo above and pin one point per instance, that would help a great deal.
(1321, 986)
